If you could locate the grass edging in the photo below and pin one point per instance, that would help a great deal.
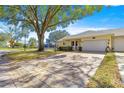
(107, 75)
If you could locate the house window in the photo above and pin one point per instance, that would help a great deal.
(76, 43)
(72, 43)
(93, 37)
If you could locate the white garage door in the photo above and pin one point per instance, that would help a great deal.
(94, 45)
(119, 44)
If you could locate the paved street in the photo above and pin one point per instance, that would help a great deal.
(62, 70)
(2, 52)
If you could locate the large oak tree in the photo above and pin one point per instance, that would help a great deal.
(47, 17)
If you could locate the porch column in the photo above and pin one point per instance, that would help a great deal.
(110, 42)
(74, 45)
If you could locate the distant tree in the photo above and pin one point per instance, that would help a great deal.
(47, 17)
(18, 45)
(25, 34)
(56, 35)
(32, 42)
(2, 41)
(48, 44)
(4, 37)
(1, 38)
(15, 33)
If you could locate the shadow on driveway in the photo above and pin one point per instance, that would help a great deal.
(61, 72)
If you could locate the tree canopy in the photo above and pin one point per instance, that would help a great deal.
(46, 17)
(4, 37)
(56, 35)
(32, 42)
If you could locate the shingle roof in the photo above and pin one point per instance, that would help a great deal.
(115, 32)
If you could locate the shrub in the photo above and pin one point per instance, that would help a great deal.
(68, 48)
(80, 48)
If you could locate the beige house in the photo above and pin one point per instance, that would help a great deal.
(112, 39)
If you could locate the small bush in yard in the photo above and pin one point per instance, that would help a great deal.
(80, 48)
(68, 48)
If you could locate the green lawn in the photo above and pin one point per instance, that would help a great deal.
(107, 75)
(30, 54)
(17, 49)
(10, 48)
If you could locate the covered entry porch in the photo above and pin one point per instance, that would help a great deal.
(75, 44)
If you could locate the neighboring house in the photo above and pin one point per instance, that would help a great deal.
(112, 39)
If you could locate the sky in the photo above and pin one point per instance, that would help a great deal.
(108, 18)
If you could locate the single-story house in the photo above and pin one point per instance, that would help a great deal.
(112, 39)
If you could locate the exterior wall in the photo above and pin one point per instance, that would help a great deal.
(64, 43)
(118, 44)
(81, 40)
(102, 37)
(68, 43)
(111, 42)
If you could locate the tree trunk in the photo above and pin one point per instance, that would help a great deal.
(41, 42)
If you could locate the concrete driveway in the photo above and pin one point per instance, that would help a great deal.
(68, 69)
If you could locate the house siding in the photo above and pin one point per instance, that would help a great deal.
(82, 39)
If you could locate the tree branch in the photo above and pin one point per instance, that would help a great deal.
(60, 22)
(35, 18)
(56, 11)
(51, 15)
(32, 11)
(45, 20)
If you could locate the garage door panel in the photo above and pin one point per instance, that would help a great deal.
(94, 45)
(119, 44)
